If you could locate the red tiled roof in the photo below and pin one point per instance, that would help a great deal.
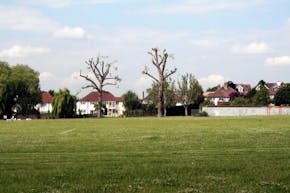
(106, 96)
(223, 92)
(274, 87)
(206, 94)
(46, 98)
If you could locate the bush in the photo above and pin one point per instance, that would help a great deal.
(202, 114)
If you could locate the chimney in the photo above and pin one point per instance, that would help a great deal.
(143, 95)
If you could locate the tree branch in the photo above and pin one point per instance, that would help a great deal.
(151, 76)
(170, 73)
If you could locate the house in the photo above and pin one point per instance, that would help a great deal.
(272, 88)
(222, 94)
(243, 89)
(46, 103)
(114, 105)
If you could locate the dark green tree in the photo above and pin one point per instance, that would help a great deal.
(206, 103)
(51, 92)
(25, 83)
(189, 91)
(19, 90)
(131, 101)
(212, 89)
(5, 104)
(251, 93)
(261, 98)
(63, 104)
(240, 102)
(282, 96)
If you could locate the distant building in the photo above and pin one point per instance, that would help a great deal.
(243, 89)
(221, 95)
(114, 105)
(227, 92)
(46, 103)
(272, 88)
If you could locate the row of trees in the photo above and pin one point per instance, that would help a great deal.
(162, 93)
(186, 92)
(20, 93)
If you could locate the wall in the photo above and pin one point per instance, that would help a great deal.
(246, 111)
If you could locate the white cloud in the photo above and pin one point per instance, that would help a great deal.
(25, 19)
(278, 61)
(32, 20)
(45, 76)
(74, 78)
(22, 51)
(211, 80)
(203, 6)
(143, 82)
(71, 33)
(253, 48)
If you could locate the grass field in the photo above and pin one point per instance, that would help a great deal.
(176, 154)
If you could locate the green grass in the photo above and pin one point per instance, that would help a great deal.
(176, 154)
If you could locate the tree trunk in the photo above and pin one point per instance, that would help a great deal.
(99, 114)
(165, 112)
(185, 110)
(165, 105)
(160, 99)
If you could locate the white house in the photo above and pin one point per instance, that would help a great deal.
(114, 105)
(46, 103)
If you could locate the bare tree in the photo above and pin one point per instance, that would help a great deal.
(100, 77)
(159, 61)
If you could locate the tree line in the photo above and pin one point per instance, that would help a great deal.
(20, 91)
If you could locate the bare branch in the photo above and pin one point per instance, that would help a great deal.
(90, 80)
(170, 73)
(151, 76)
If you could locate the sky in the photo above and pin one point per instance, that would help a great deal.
(242, 41)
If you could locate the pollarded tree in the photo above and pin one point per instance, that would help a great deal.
(63, 104)
(169, 94)
(189, 91)
(101, 76)
(159, 61)
(282, 96)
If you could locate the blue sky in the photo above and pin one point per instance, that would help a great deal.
(216, 40)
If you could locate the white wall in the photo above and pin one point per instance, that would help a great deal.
(44, 108)
(246, 111)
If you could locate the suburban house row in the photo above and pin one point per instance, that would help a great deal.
(86, 105)
(115, 108)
